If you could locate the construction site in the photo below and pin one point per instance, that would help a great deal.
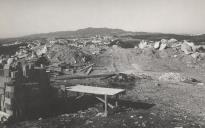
(102, 82)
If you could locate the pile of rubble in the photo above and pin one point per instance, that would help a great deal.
(122, 80)
(188, 48)
(68, 54)
(172, 77)
(177, 77)
(190, 52)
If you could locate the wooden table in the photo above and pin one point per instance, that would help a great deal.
(98, 91)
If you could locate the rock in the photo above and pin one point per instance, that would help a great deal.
(186, 48)
(143, 124)
(200, 48)
(164, 41)
(171, 76)
(163, 46)
(115, 46)
(157, 44)
(157, 84)
(200, 84)
(172, 40)
(143, 44)
(41, 50)
(10, 60)
(100, 114)
(195, 55)
(88, 122)
(136, 123)
(174, 56)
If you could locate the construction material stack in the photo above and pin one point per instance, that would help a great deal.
(24, 93)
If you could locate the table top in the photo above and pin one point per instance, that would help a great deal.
(95, 90)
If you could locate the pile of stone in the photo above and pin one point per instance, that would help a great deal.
(68, 54)
(186, 47)
(172, 77)
(122, 80)
(177, 77)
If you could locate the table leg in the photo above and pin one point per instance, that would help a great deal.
(106, 112)
(116, 100)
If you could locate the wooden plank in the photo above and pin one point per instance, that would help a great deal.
(106, 105)
(116, 100)
(84, 76)
(89, 70)
(87, 67)
(95, 90)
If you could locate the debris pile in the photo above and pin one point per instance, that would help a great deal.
(190, 53)
(177, 77)
(122, 80)
(68, 54)
(172, 77)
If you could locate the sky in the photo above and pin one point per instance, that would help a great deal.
(24, 17)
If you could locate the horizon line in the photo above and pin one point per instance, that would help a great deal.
(73, 30)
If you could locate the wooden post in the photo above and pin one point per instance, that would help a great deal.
(116, 100)
(106, 105)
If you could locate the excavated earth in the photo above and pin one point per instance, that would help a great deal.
(148, 102)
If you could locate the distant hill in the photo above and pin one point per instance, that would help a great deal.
(87, 32)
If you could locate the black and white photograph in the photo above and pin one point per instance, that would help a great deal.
(102, 63)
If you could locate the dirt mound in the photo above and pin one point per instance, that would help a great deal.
(68, 54)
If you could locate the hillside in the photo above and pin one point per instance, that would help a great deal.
(87, 32)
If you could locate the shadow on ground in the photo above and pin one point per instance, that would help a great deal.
(69, 105)
(72, 105)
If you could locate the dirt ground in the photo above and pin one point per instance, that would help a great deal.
(150, 103)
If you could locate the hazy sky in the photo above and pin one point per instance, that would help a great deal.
(23, 17)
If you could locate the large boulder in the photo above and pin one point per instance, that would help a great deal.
(10, 61)
(143, 44)
(186, 48)
(41, 50)
(164, 41)
(163, 46)
(200, 48)
(195, 55)
(172, 40)
(194, 48)
(157, 45)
